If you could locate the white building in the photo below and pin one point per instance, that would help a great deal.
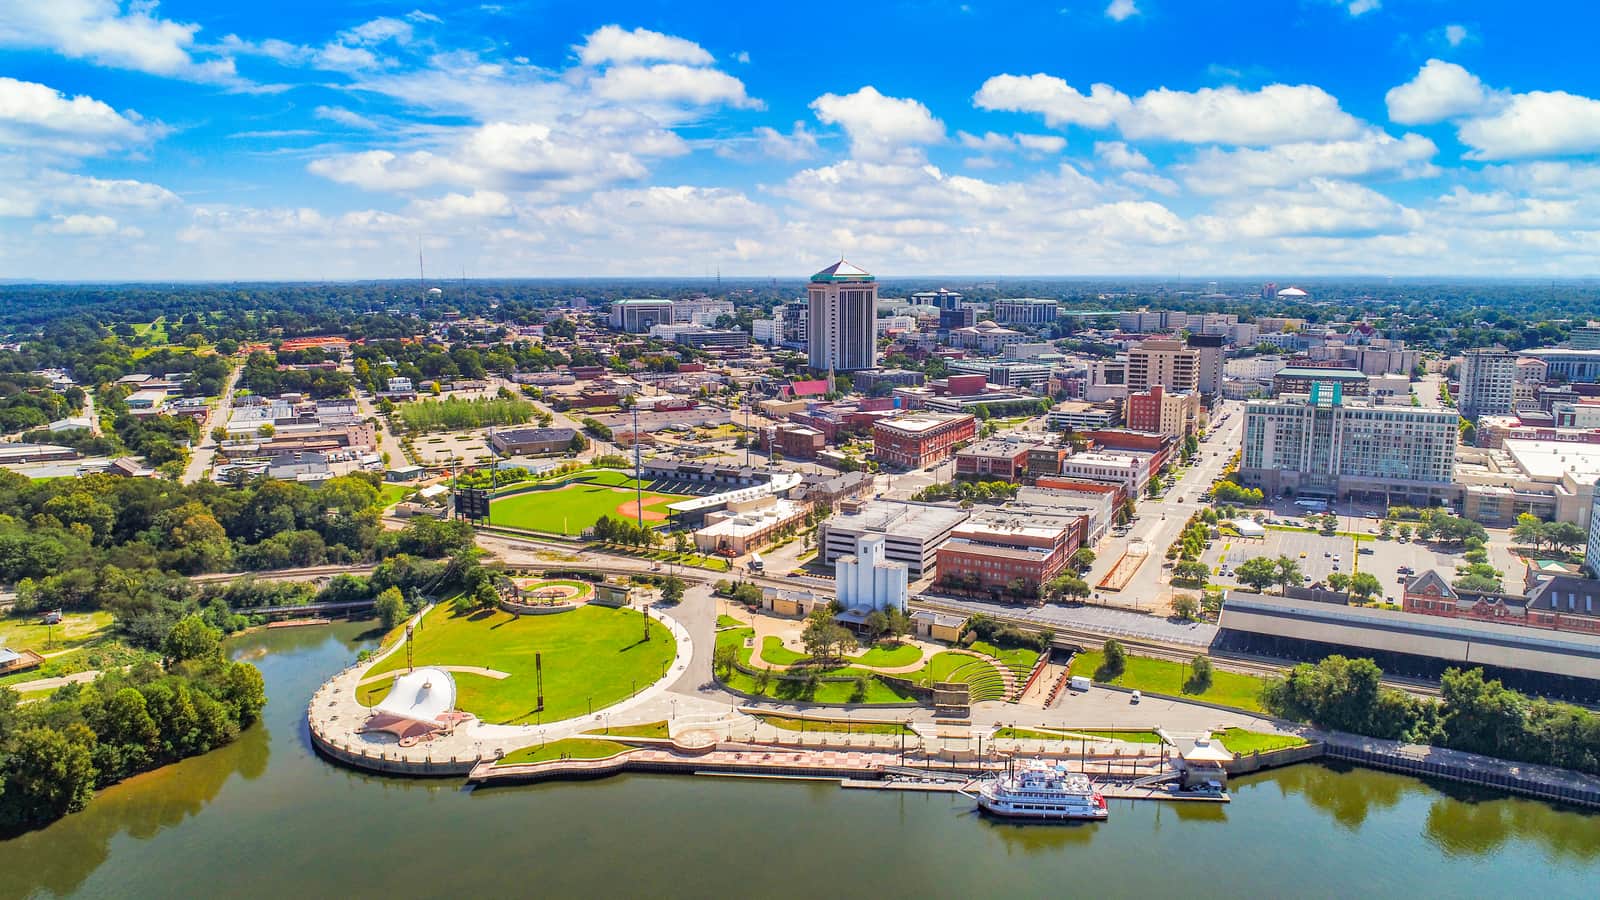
(1488, 382)
(1033, 311)
(701, 310)
(868, 580)
(843, 309)
(766, 331)
(913, 531)
(637, 316)
(985, 337)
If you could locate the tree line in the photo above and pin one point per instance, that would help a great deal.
(1474, 713)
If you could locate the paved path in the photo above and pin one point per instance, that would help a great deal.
(50, 684)
(206, 453)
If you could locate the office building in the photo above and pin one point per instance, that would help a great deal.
(1569, 365)
(994, 460)
(1591, 555)
(868, 580)
(1321, 445)
(1006, 549)
(1210, 349)
(1584, 337)
(1030, 311)
(1167, 363)
(842, 320)
(913, 531)
(986, 337)
(1488, 383)
(532, 441)
(921, 439)
(940, 299)
(766, 331)
(701, 310)
(1299, 379)
(1079, 415)
(1164, 412)
(638, 316)
(962, 316)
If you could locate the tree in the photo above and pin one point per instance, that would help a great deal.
(391, 608)
(1185, 607)
(672, 589)
(191, 638)
(1114, 662)
(1330, 524)
(1258, 572)
(1566, 535)
(1192, 572)
(1082, 559)
(1386, 530)
(896, 623)
(825, 639)
(725, 659)
(47, 775)
(876, 624)
(1199, 675)
(1529, 531)
(1066, 586)
(1365, 585)
(1339, 581)
(1288, 572)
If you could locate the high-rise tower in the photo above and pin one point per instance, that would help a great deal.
(842, 320)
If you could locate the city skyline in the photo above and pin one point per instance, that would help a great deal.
(186, 141)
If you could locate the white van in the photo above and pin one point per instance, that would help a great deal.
(1135, 697)
(1080, 683)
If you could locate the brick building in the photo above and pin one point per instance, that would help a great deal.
(1159, 411)
(919, 440)
(997, 549)
(793, 440)
(994, 459)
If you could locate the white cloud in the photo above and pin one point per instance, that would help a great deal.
(1150, 181)
(1225, 115)
(417, 15)
(1059, 103)
(613, 44)
(1120, 10)
(1323, 207)
(1229, 115)
(1538, 123)
(37, 116)
(477, 205)
(988, 143)
(1547, 178)
(382, 170)
(1118, 155)
(111, 33)
(377, 31)
(1456, 35)
(1441, 90)
(85, 191)
(345, 117)
(1362, 7)
(878, 125)
(82, 225)
(798, 144)
(1216, 171)
(671, 82)
(1041, 143)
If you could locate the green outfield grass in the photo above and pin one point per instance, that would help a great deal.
(592, 656)
(1166, 677)
(573, 508)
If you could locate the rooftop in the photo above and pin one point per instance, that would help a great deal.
(1549, 460)
(921, 422)
(842, 271)
(917, 520)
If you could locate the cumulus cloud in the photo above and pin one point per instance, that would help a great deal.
(1119, 155)
(877, 124)
(82, 225)
(614, 44)
(671, 82)
(1049, 96)
(1441, 90)
(1217, 171)
(37, 116)
(1456, 35)
(111, 33)
(1538, 123)
(477, 205)
(1358, 8)
(1119, 10)
(1225, 115)
(1324, 207)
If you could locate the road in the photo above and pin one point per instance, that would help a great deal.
(204, 455)
(388, 444)
(1160, 520)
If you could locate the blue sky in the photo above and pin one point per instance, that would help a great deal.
(296, 139)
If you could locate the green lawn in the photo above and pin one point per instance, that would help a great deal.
(1028, 734)
(981, 677)
(889, 655)
(814, 725)
(591, 655)
(1017, 658)
(75, 630)
(773, 651)
(574, 507)
(390, 494)
(825, 692)
(728, 622)
(1167, 677)
(568, 748)
(1245, 742)
(644, 730)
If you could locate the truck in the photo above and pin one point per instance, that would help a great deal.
(1080, 683)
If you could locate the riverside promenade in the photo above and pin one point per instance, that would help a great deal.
(335, 717)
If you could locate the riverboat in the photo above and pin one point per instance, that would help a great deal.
(1041, 791)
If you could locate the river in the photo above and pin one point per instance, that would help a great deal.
(266, 817)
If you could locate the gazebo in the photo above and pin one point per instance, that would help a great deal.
(420, 705)
(1203, 761)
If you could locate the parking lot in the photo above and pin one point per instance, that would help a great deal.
(1316, 555)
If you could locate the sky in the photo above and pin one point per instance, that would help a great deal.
(312, 139)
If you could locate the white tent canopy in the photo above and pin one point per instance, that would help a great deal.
(421, 695)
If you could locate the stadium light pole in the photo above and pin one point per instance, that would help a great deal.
(638, 486)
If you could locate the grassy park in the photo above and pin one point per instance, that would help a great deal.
(574, 507)
(819, 726)
(1245, 742)
(1167, 677)
(819, 691)
(566, 748)
(593, 657)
